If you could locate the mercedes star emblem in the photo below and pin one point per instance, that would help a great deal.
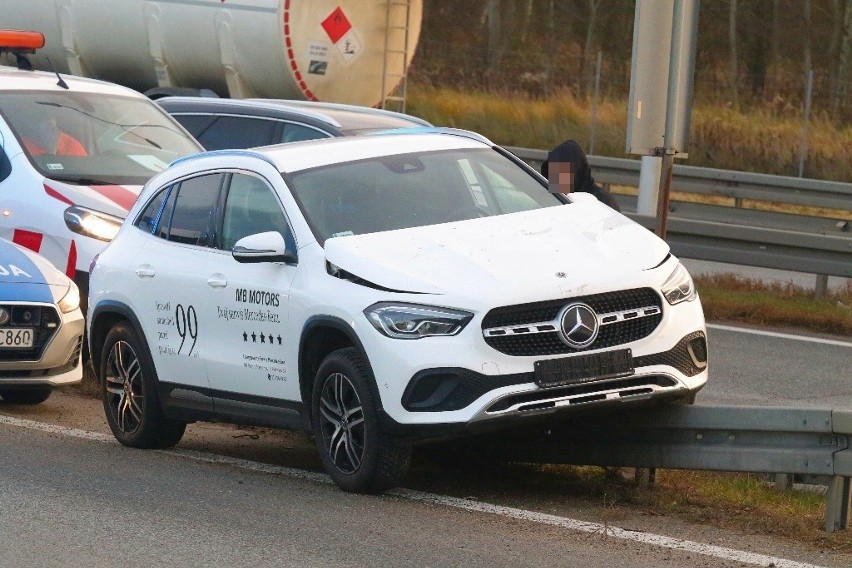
(579, 326)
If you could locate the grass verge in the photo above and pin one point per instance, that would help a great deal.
(732, 298)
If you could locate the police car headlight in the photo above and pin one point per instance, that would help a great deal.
(679, 287)
(71, 300)
(413, 321)
(95, 224)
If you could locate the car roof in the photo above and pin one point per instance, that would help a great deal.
(339, 118)
(13, 79)
(325, 151)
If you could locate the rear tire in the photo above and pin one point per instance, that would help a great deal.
(33, 395)
(128, 390)
(358, 454)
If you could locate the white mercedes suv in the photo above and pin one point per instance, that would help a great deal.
(378, 290)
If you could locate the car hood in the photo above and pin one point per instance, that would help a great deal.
(112, 199)
(551, 252)
(27, 277)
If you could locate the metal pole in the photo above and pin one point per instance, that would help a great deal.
(649, 186)
(595, 102)
(665, 190)
(681, 68)
(806, 119)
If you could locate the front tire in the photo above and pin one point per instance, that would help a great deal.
(358, 454)
(33, 395)
(128, 390)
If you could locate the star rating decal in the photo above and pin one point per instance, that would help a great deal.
(264, 338)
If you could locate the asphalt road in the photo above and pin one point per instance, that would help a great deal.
(777, 370)
(68, 501)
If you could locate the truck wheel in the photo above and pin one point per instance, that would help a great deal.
(129, 394)
(358, 454)
(34, 395)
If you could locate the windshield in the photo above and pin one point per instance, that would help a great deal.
(411, 190)
(94, 138)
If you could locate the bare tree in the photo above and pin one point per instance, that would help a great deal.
(841, 82)
(525, 23)
(733, 77)
(495, 39)
(776, 32)
(806, 36)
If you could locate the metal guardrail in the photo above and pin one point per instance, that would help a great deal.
(750, 237)
(718, 438)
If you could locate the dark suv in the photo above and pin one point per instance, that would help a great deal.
(247, 123)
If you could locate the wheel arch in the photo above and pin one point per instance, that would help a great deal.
(322, 335)
(104, 317)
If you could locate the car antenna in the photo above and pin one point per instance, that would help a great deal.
(61, 82)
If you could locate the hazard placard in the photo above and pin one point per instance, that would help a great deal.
(349, 46)
(336, 25)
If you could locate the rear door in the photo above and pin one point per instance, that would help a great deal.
(170, 280)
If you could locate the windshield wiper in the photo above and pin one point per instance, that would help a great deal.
(126, 127)
(82, 180)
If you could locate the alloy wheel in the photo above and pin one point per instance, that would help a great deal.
(125, 396)
(342, 423)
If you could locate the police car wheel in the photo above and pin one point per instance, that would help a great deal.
(34, 395)
(129, 394)
(358, 454)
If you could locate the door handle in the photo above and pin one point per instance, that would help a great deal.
(145, 271)
(217, 281)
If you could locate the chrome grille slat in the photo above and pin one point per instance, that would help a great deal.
(553, 325)
(534, 329)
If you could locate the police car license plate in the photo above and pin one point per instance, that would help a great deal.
(15, 338)
(584, 368)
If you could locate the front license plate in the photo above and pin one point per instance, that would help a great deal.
(15, 338)
(583, 368)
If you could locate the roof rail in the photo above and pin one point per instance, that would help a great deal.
(214, 153)
(351, 108)
(437, 130)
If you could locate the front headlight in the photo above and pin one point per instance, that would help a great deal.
(71, 300)
(413, 321)
(679, 287)
(95, 224)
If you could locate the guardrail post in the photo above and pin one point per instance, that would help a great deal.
(783, 481)
(821, 288)
(838, 504)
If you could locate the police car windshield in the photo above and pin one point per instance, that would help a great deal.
(94, 138)
(412, 190)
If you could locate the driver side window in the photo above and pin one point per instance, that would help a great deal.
(251, 208)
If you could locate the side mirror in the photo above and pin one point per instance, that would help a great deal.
(263, 247)
(581, 196)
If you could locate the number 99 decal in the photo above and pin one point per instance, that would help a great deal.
(186, 322)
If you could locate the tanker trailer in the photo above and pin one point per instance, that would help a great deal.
(347, 51)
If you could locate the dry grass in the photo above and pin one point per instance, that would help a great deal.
(765, 140)
(745, 502)
(739, 501)
(732, 298)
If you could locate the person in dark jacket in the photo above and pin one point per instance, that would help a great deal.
(567, 169)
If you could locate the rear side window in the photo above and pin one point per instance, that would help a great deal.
(296, 132)
(150, 216)
(191, 221)
(222, 132)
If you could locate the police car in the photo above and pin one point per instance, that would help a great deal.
(379, 289)
(74, 154)
(41, 327)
